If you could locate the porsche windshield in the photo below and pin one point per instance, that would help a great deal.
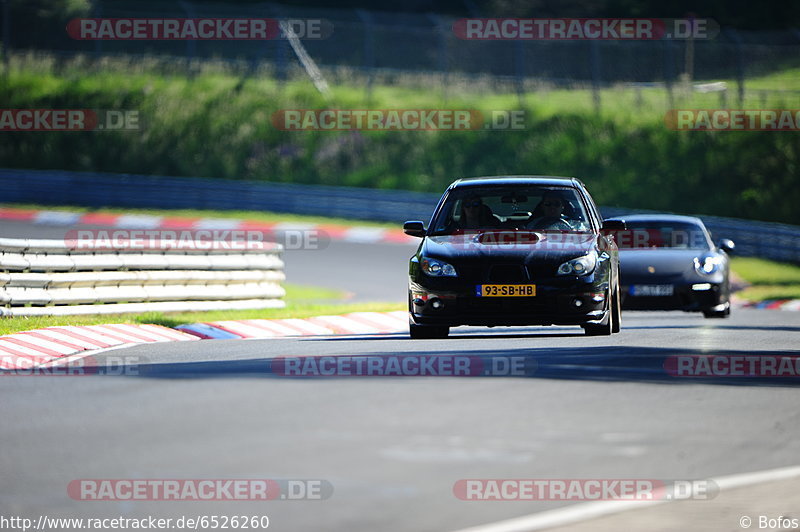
(662, 234)
(512, 208)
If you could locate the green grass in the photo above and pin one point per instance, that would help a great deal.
(768, 279)
(217, 124)
(766, 272)
(763, 293)
(301, 302)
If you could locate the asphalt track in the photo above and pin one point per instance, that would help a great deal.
(393, 447)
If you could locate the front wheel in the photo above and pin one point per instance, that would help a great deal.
(616, 310)
(426, 332)
(710, 313)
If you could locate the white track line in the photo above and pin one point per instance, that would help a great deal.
(590, 510)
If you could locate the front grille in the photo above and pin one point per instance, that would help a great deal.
(507, 305)
(539, 269)
(507, 273)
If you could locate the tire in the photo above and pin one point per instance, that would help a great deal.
(719, 314)
(427, 332)
(616, 308)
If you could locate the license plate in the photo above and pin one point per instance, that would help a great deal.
(505, 290)
(652, 290)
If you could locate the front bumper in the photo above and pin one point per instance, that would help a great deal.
(559, 302)
(684, 298)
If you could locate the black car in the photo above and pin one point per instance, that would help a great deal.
(515, 250)
(669, 262)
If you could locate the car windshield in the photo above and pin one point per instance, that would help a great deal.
(531, 208)
(662, 234)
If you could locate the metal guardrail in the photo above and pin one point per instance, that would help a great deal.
(56, 277)
(767, 240)
(55, 187)
(759, 239)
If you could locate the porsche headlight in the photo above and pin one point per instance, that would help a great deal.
(580, 266)
(708, 265)
(437, 268)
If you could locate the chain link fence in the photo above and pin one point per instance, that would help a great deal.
(366, 46)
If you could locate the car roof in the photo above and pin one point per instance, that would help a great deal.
(515, 180)
(659, 218)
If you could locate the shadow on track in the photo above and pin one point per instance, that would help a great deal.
(600, 363)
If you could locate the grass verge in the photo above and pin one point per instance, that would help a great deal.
(301, 302)
(768, 279)
(623, 150)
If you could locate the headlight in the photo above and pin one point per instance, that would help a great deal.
(707, 265)
(437, 268)
(580, 266)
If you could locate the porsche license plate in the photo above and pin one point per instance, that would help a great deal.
(652, 290)
(505, 290)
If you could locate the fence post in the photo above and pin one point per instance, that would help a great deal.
(191, 44)
(669, 73)
(97, 12)
(281, 51)
(441, 31)
(369, 49)
(519, 70)
(739, 64)
(6, 35)
(594, 65)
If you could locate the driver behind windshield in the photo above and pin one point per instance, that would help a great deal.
(549, 214)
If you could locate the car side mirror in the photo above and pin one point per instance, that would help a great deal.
(726, 245)
(614, 225)
(414, 228)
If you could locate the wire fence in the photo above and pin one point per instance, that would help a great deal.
(366, 47)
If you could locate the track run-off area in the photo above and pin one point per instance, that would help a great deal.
(390, 451)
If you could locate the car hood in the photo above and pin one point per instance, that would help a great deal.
(658, 262)
(512, 246)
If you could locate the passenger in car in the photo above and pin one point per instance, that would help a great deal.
(549, 213)
(476, 215)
